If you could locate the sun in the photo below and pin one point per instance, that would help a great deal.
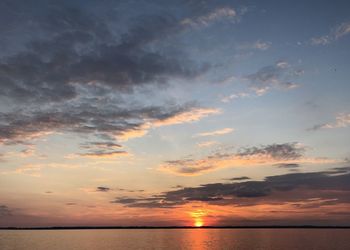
(198, 223)
(197, 217)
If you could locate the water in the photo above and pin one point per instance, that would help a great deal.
(262, 239)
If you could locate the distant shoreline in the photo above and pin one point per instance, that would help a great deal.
(175, 227)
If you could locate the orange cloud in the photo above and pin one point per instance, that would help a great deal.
(192, 115)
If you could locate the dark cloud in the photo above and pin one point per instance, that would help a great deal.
(103, 145)
(328, 187)
(125, 200)
(284, 151)
(242, 178)
(5, 211)
(77, 47)
(71, 204)
(101, 153)
(103, 189)
(288, 165)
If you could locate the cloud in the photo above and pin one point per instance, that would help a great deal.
(35, 169)
(285, 151)
(101, 149)
(29, 151)
(206, 144)
(30, 169)
(5, 211)
(71, 204)
(330, 187)
(84, 50)
(104, 154)
(101, 145)
(191, 115)
(103, 189)
(113, 122)
(336, 33)
(288, 165)
(273, 76)
(242, 178)
(82, 73)
(257, 45)
(322, 40)
(260, 45)
(216, 132)
(342, 120)
(211, 17)
(342, 30)
(274, 154)
(185, 114)
(231, 97)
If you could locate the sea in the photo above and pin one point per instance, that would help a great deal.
(194, 239)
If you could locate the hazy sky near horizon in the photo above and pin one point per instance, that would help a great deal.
(174, 113)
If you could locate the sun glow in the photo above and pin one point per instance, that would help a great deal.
(198, 217)
(198, 222)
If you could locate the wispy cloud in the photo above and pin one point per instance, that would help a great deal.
(231, 97)
(36, 169)
(210, 17)
(274, 76)
(104, 154)
(342, 120)
(216, 132)
(257, 45)
(336, 33)
(205, 144)
(186, 116)
(190, 115)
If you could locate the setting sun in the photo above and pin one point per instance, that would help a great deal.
(198, 217)
(198, 223)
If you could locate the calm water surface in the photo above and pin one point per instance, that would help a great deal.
(264, 239)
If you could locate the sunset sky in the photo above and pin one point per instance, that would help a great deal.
(174, 113)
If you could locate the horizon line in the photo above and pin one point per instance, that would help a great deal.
(175, 227)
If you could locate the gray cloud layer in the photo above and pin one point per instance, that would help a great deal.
(279, 189)
(264, 154)
(112, 121)
(77, 71)
(78, 47)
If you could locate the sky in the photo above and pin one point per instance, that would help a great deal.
(174, 113)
